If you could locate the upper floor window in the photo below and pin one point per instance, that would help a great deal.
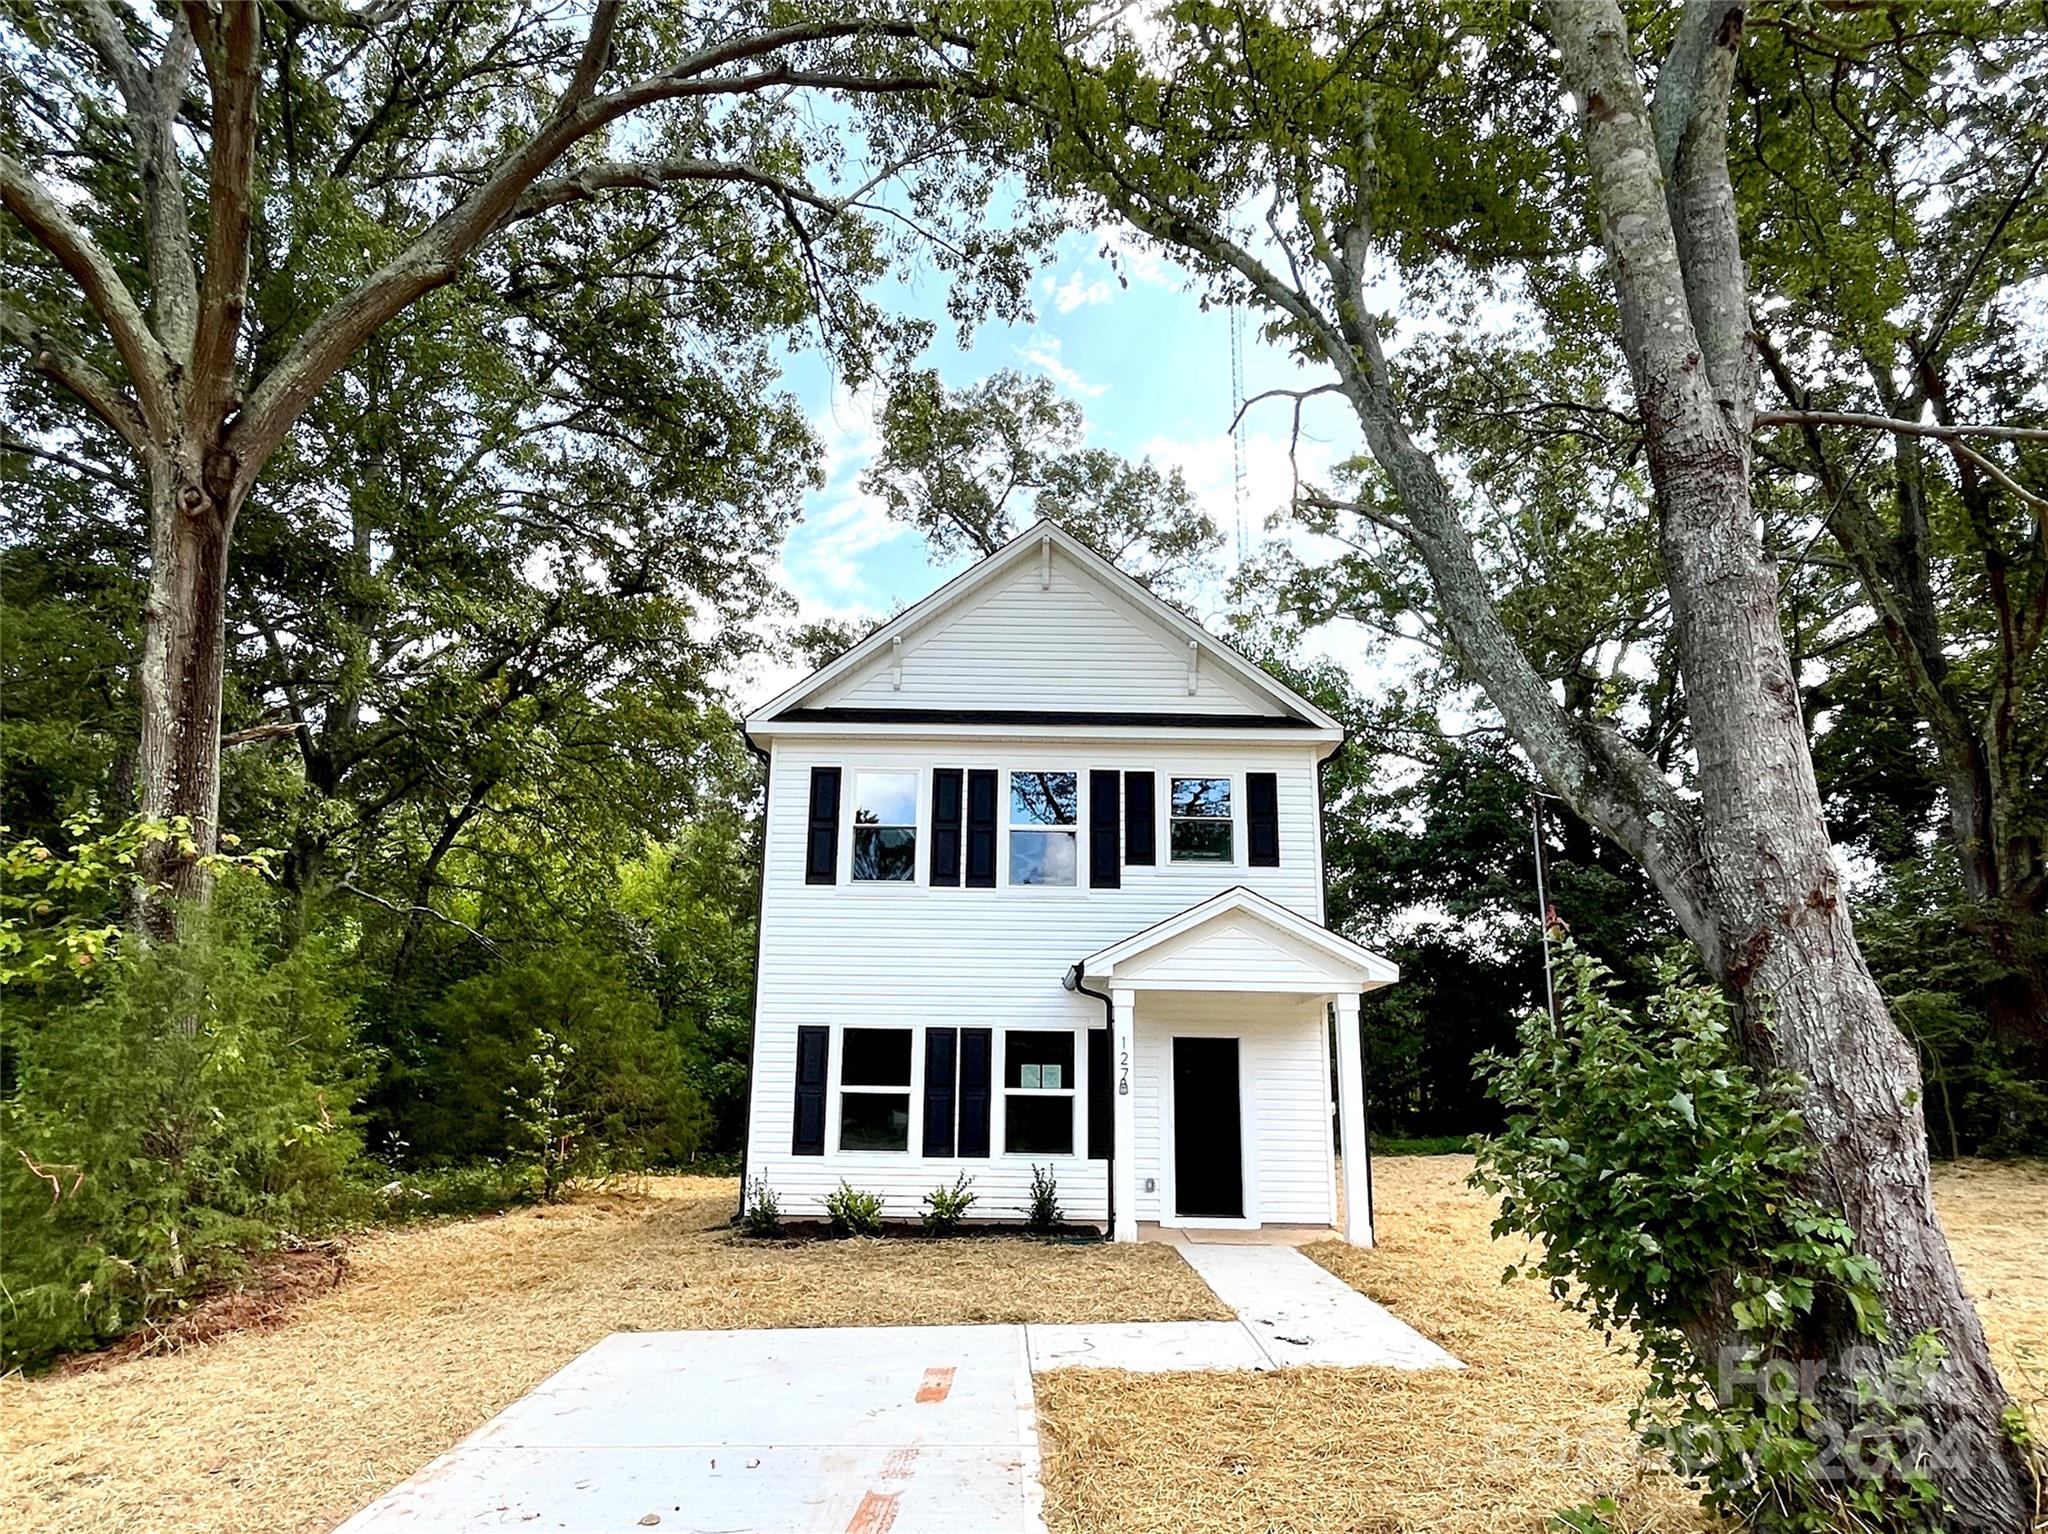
(1198, 823)
(885, 825)
(874, 1089)
(1045, 815)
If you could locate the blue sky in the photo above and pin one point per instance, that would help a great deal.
(1127, 340)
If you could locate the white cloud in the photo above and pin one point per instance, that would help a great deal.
(1044, 351)
(1078, 291)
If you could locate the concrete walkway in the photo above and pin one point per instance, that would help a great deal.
(1291, 1312)
(852, 1430)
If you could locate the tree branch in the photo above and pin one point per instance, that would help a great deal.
(436, 255)
(79, 254)
(230, 58)
(58, 362)
(1893, 424)
(651, 175)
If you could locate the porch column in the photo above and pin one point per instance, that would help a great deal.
(1351, 1123)
(1123, 1047)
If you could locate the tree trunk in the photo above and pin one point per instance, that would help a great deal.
(184, 652)
(1788, 951)
(1781, 938)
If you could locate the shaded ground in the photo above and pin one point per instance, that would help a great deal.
(293, 1427)
(1536, 1422)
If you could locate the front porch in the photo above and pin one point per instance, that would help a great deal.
(1221, 1066)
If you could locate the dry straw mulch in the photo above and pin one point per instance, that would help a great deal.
(293, 1427)
(1537, 1421)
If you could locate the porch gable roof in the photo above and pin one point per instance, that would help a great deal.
(1239, 940)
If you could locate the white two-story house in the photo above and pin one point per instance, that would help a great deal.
(1044, 888)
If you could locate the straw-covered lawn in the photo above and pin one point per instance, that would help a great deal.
(1537, 1422)
(435, 1329)
(438, 1328)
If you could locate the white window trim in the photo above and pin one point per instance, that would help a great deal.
(913, 1131)
(920, 770)
(1238, 832)
(1004, 826)
(1077, 1127)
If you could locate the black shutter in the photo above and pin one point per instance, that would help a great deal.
(941, 1050)
(1104, 872)
(1141, 829)
(977, 1056)
(821, 857)
(1101, 1096)
(946, 791)
(813, 1061)
(981, 828)
(1262, 818)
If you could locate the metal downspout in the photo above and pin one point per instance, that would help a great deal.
(1073, 983)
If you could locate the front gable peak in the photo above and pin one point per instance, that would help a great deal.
(1043, 629)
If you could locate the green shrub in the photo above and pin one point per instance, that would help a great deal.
(1043, 1214)
(945, 1208)
(1654, 1171)
(188, 1109)
(763, 1214)
(853, 1212)
(557, 1061)
(479, 1187)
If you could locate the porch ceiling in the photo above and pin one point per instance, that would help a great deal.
(1238, 941)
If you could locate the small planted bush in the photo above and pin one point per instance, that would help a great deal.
(853, 1212)
(763, 1214)
(945, 1208)
(1043, 1214)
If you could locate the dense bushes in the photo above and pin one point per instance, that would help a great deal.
(169, 1111)
(1656, 1174)
(184, 1110)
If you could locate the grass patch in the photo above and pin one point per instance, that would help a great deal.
(290, 1428)
(1537, 1421)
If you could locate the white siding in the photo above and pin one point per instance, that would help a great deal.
(1284, 1075)
(1075, 646)
(913, 956)
(1247, 950)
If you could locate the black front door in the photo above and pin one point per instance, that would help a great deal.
(1208, 1149)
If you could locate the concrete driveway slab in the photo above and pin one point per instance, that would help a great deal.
(911, 1430)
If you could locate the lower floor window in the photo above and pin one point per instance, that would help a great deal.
(1038, 1093)
(874, 1090)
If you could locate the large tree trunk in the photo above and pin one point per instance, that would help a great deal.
(1781, 937)
(184, 653)
(1788, 951)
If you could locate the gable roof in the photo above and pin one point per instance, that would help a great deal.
(795, 706)
(1238, 908)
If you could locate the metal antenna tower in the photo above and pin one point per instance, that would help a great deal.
(1244, 540)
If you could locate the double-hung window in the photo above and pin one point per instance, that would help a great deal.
(874, 1089)
(1038, 1093)
(885, 826)
(1045, 816)
(1198, 821)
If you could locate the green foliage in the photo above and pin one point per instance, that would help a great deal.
(763, 1213)
(194, 1108)
(559, 1060)
(958, 465)
(60, 912)
(1659, 1182)
(852, 1212)
(945, 1208)
(1043, 1215)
